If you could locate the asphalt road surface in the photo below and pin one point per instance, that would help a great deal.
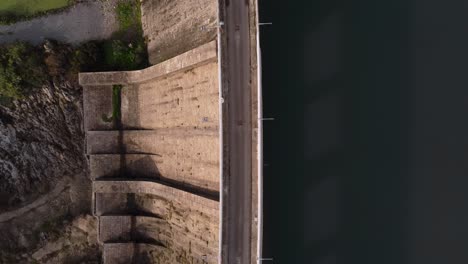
(239, 200)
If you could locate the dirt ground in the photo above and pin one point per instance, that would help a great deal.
(87, 20)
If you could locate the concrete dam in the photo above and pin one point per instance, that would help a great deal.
(158, 148)
(155, 180)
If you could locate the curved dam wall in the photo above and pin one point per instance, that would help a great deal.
(168, 111)
(183, 223)
(155, 168)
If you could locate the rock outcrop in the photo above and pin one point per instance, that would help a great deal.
(45, 191)
(41, 142)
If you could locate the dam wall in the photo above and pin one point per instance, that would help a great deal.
(154, 159)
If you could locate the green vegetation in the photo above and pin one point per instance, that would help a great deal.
(122, 56)
(21, 70)
(12, 11)
(127, 15)
(127, 49)
(116, 92)
(85, 58)
(30, 7)
(24, 67)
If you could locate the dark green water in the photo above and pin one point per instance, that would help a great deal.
(366, 158)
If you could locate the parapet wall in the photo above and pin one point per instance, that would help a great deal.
(189, 59)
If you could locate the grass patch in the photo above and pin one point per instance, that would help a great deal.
(128, 15)
(30, 7)
(126, 50)
(21, 70)
(116, 98)
(12, 11)
(122, 55)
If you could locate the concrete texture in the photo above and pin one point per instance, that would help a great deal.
(112, 204)
(184, 99)
(188, 229)
(127, 228)
(194, 229)
(175, 26)
(187, 99)
(97, 101)
(135, 166)
(156, 180)
(185, 156)
(114, 229)
(131, 253)
(176, 102)
(154, 188)
(142, 166)
(118, 253)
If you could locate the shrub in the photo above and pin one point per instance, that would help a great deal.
(7, 18)
(120, 55)
(9, 83)
(85, 57)
(21, 70)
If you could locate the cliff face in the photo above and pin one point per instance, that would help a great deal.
(41, 142)
(45, 191)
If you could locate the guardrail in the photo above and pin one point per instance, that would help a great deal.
(221, 142)
(259, 141)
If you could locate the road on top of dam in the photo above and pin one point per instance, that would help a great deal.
(239, 200)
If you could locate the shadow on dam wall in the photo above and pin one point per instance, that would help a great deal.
(367, 154)
(144, 168)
